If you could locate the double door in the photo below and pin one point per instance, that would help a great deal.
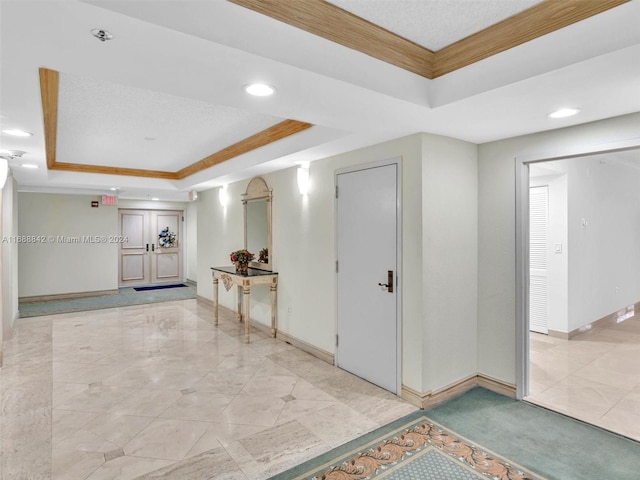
(151, 250)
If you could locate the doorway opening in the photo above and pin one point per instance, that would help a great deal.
(581, 287)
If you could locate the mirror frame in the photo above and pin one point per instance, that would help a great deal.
(257, 190)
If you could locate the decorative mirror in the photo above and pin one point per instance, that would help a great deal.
(257, 223)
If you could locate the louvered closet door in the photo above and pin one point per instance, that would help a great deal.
(538, 248)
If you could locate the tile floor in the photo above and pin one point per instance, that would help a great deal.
(120, 393)
(594, 377)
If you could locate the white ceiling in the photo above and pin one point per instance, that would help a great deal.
(175, 71)
(434, 24)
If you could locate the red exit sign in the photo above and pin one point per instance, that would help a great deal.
(109, 200)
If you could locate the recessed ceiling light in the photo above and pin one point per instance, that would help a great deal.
(30, 165)
(114, 189)
(564, 112)
(155, 199)
(16, 132)
(259, 89)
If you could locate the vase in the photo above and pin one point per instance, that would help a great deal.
(242, 268)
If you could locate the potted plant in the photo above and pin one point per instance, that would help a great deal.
(263, 255)
(241, 259)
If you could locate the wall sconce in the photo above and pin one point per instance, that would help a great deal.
(4, 171)
(222, 195)
(303, 179)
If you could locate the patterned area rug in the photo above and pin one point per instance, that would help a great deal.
(125, 297)
(417, 449)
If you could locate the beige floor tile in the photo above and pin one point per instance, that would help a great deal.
(166, 438)
(146, 402)
(337, 424)
(74, 464)
(221, 434)
(200, 406)
(225, 382)
(132, 385)
(271, 385)
(583, 398)
(67, 422)
(127, 468)
(96, 398)
(250, 410)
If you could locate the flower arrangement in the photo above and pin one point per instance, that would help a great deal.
(241, 259)
(167, 239)
(241, 256)
(263, 256)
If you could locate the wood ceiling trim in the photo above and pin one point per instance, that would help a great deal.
(333, 23)
(260, 139)
(49, 86)
(49, 89)
(105, 170)
(340, 26)
(539, 20)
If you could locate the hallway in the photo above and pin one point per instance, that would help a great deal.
(122, 392)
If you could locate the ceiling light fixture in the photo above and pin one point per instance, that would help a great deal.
(16, 132)
(564, 113)
(155, 199)
(114, 189)
(101, 34)
(32, 166)
(11, 154)
(259, 89)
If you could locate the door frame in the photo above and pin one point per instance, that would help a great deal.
(397, 161)
(183, 253)
(522, 244)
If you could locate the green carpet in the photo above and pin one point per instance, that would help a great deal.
(412, 448)
(553, 445)
(125, 297)
(530, 439)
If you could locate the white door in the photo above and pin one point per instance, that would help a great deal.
(152, 248)
(367, 233)
(538, 252)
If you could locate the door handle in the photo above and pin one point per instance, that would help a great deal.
(153, 247)
(147, 247)
(389, 284)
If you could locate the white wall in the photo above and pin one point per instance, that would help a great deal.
(450, 260)
(304, 252)
(56, 267)
(9, 255)
(191, 241)
(439, 253)
(604, 255)
(496, 232)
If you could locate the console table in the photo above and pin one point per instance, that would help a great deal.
(244, 282)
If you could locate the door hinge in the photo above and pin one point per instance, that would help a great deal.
(336, 266)
(336, 191)
(336, 339)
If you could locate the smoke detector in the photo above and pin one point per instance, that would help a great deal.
(101, 34)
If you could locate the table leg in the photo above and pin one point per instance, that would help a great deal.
(215, 301)
(239, 309)
(247, 305)
(274, 310)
